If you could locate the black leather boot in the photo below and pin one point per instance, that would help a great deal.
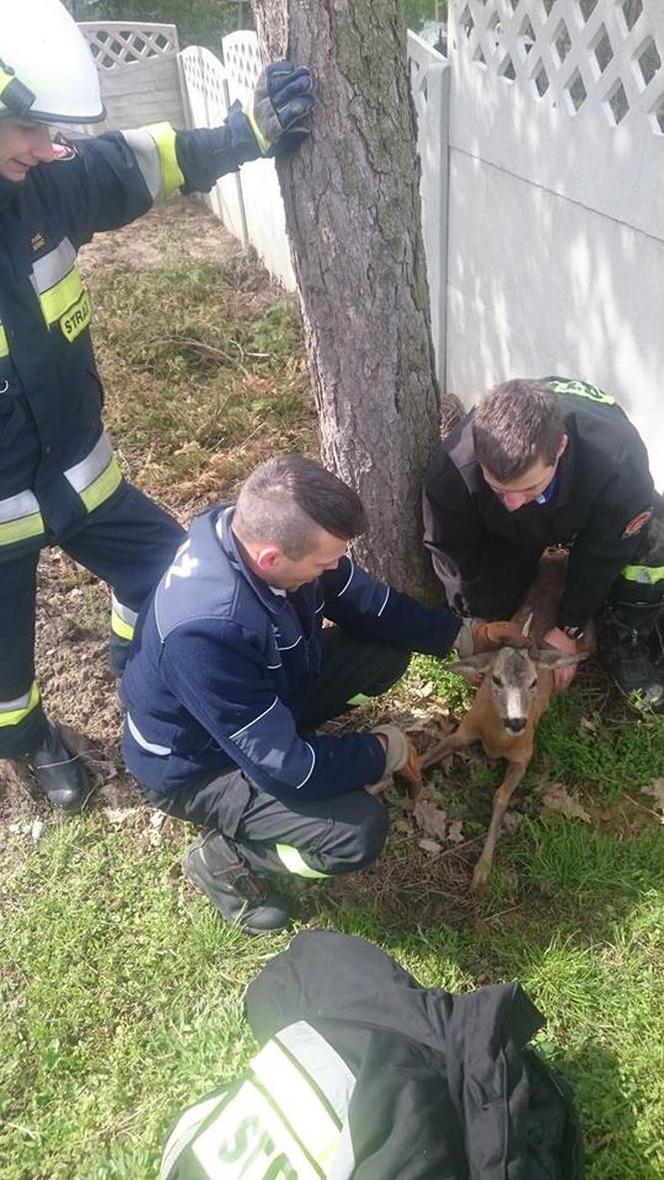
(626, 641)
(213, 865)
(59, 773)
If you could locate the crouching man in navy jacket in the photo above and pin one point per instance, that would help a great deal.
(233, 672)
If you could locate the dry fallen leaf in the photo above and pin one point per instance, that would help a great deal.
(656, 790)
(587, 727)
(36, 830)
(429, 845)
(430, 819)
(455, 835)
(512, 820)
(119, 815)
(554, 797)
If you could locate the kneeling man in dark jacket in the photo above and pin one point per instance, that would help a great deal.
(233, 672)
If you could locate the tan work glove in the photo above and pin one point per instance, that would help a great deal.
(401, 757)
(477, 635)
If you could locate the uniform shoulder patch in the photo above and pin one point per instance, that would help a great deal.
(635, 525)
(63, 152)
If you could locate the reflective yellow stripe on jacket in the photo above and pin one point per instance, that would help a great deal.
(154, 149)
(58, 284)
(20, 518)
(287, 1118)
(97, 476)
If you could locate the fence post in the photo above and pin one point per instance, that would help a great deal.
(430, 88)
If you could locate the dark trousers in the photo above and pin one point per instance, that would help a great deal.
(129, 545)
(338, 835)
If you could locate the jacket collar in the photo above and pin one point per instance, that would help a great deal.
(272, 602)
(9, 191)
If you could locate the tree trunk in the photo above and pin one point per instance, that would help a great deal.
(353, 216)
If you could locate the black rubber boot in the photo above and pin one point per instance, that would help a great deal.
(626, 641)
(213, 865)
(59, 774)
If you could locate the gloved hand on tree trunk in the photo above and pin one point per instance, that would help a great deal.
(281, 102)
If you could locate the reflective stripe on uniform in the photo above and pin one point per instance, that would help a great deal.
(322, 1063)
(151, 747)
(251, 1135)
(13, 712)
(645, 575)
(59, 286)
(293, 861)
(314, 1122)
(582, 389)
(123, 620)
(97, 476)
(4, 346)
(185, 1130)
(20, 518)
(288, 1118)
(154, 150)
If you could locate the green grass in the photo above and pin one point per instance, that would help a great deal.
(194, 374)
(122, 993)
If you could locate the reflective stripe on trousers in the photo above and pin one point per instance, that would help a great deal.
(293, 860)
(13, 712)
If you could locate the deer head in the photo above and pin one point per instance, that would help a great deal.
(513, 675)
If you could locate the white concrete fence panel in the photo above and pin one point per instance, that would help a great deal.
(138, 71)
(556, 226)
(206, 99)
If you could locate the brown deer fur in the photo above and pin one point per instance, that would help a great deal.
(515, 686)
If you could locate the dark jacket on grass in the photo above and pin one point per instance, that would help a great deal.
(410, 1083)
(223, 666)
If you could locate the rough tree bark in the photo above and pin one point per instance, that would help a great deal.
(353, 217)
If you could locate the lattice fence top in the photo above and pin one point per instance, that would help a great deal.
(204, 73)
(242, 57)
(579, 55)
(115, 44)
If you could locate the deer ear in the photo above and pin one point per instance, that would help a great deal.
(473, 668)
(550, 657)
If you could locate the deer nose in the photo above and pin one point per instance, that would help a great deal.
(515, 724)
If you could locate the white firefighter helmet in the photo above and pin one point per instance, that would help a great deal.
(47, 71)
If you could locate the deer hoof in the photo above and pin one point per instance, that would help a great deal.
(481, 877)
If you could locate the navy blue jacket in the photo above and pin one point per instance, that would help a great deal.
(56, 462)
(223, 665)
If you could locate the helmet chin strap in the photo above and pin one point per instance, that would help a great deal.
(14, 95)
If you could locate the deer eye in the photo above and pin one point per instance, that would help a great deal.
(497, 681)
(533, 683)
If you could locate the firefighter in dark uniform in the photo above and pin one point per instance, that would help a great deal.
(59, 480)
(232, 673)
(546, 463)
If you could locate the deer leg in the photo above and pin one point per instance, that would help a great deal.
(514, 774)
(452, 742)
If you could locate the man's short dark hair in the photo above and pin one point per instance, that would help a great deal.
(516, 425)
(289, 499)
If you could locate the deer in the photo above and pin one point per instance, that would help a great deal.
(515, 687)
